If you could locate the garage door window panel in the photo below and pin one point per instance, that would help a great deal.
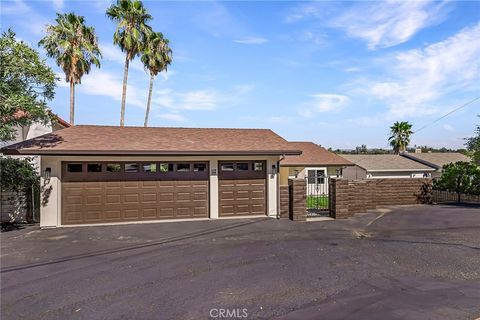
(149, 167)
(94, 167)
(183, 167)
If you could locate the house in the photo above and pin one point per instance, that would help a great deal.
(108, 174)
(35, 129)
(19, 206)
(437, 160)
(373, 166)
(314, 161)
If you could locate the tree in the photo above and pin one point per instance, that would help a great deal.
(20, 177)
(131, 18)
(156, 57)
(460, 177)
(74, 46)
(473, 145)
(26, 84)
(400, 136)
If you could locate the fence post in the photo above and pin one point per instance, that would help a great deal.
(298, 199)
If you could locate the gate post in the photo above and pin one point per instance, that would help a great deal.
(338, 198)
(298, 199)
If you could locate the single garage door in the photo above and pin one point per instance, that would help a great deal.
(242, 188)
(100, 192)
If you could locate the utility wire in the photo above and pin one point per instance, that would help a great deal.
(449, 113)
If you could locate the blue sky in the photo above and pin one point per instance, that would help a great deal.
(335, 73)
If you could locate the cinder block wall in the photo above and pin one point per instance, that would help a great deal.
(350, 197)
(297, 199)
(284, 201)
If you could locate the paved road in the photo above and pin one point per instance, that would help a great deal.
(418, 262)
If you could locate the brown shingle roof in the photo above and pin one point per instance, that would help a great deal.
(386, 162)
(437, 159)
(313, 155)
(154, 141)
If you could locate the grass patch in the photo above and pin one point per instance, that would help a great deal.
(317, 202)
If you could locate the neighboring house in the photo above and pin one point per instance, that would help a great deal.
(437, 160)
(106, 174)
(14, 207)
(315, 162)
(371, 166)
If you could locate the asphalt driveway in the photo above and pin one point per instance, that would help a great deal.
(420, 262)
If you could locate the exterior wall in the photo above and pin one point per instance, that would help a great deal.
(350, 197)
(289, 172)
(354, 173)
(50, 211)
(396, 174)
(357, 173)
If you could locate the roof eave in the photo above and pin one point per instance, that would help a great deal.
(51, 152)
(399, 170)
(314, 164)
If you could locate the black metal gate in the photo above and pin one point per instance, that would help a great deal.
(317, 193)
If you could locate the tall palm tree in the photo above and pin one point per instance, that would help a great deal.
(131, 18)
(74, 46)
(400, 136)
(156, 57)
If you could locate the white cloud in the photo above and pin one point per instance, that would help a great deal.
(113, 53)
(323, 102)
(172, 116)
(251, 40)
(18, 8)
(189, 100)
(416, 79)
(58, 5)
(102, 83)
(386, 24)
(303, 12)
(353, 69)
(449, 127)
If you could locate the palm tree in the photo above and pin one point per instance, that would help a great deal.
(131, 18)
(74, 46)
(156, 57)
(400, 136)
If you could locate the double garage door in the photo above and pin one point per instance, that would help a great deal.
(103, 192)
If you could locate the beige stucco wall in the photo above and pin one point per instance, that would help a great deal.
(286, 172)
(50, 213)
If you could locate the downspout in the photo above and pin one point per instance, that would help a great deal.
(278, 185)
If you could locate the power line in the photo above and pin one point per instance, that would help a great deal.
(447, 114)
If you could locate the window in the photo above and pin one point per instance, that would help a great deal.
(242, 166)
(227, 167)
(94, 167)
(199, 167)
(114, 167)
(165, 167)
(150, 167)
(183, 167)
(74, 167)
(258, 166)
(316, 176)
(131, 167)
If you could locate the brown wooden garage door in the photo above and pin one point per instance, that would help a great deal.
(103, 192)
(242, 188)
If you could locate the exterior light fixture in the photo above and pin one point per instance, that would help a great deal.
(47, 173)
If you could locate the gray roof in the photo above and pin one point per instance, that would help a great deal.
(386, 162)
(437, 159)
